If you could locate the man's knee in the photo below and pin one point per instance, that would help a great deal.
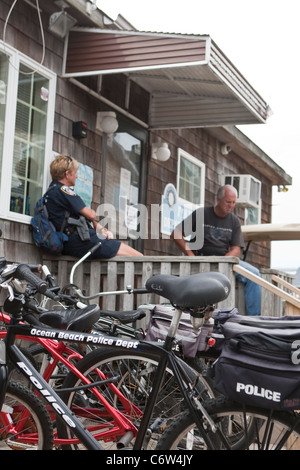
(249, 267)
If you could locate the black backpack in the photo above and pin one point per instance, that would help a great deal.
(44, 233)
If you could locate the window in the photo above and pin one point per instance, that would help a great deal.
(27, 90)
(190, 180)
(253, 215)
(3, 87)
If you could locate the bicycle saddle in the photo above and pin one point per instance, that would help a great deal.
(196, 290)
(127, 316)
(72, 319)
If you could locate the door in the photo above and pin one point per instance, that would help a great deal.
(123, 177)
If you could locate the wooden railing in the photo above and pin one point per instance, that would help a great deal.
(115, 274)
(275, 300)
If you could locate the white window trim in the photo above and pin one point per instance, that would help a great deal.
(16, 57)
(195, 161)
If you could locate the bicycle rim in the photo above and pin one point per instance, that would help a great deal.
(238, 429)
(24, 421)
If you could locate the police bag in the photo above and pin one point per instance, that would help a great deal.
(259, 362)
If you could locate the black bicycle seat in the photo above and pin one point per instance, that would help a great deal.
(196, 290)
(124, 316)
(72, 319)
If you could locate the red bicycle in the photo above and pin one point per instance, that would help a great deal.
(60, 354)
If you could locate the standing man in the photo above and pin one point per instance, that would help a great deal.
(216, 231)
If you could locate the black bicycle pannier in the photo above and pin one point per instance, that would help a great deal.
(260, 366)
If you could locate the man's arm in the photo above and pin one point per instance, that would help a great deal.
(177, 236)
(234, 251)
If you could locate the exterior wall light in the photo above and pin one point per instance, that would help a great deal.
(160, 151)
(107, 122)
(282, 188)
(225, 149)
(61, 22)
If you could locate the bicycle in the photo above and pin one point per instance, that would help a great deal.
(123, 323)
(141, 367)
(113, 323)
(259, 377)
(59, 351)
(243, 427)
(212, 288)
(52, 351)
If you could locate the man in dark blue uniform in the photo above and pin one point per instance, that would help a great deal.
(63, 204)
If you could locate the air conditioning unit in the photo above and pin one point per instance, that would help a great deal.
(248, 189)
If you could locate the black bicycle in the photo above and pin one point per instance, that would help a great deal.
(186, 293)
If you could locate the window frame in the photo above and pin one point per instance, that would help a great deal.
(183, 154)
(15, 59)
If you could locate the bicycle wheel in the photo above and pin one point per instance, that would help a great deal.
(134, 374)
(24, 421)
(247, 428)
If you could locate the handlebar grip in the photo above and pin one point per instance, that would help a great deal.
(140, 290)
(35, 268)
(95, 247)
(24, 273)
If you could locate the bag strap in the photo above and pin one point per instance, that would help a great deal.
(67, 213)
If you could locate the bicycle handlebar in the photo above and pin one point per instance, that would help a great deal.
(95, 248)
(23, 272)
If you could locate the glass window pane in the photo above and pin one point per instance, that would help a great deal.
(3, 86)
(190, 178)
(29, 141)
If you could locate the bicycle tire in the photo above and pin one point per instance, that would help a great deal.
(269, 430)
(136, 371)
(35, 427)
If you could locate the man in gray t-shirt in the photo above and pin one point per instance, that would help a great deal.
(212, 235)
(216, 231)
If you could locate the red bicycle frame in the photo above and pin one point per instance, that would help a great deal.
(61, 353)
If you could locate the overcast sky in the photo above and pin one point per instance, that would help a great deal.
(261, 38)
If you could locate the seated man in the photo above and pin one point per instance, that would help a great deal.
(216, 231)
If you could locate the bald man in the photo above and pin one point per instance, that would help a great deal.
(216, 231)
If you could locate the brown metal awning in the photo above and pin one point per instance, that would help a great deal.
(191, 82)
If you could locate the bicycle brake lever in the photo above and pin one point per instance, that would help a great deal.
(7, 286)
